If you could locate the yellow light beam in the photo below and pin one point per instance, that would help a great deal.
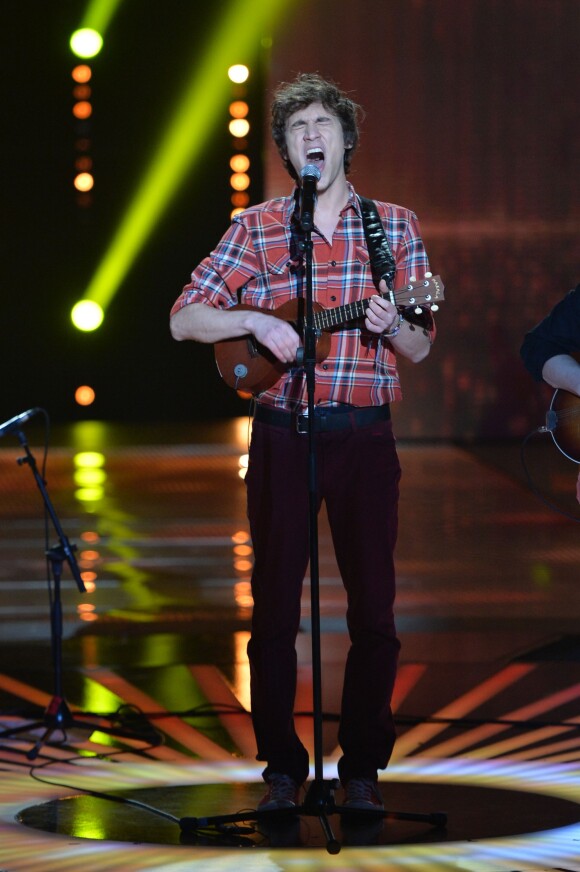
(198, 113)
(99, 13)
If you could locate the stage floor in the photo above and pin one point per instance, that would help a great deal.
(155, 675)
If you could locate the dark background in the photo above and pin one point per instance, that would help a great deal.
(471, 120)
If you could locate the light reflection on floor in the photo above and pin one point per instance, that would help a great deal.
(488, 614)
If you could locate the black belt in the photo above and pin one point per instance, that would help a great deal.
(325, 417)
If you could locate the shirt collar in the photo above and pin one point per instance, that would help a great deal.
(292, 207)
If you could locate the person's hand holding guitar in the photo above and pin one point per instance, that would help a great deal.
(276, 335)
(381, 315)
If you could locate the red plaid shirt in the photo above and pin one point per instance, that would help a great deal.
(258, 262)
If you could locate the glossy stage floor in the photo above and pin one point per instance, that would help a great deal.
(153, 666)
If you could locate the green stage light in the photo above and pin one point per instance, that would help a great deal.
(87, 315)
(86, 42)
(202, 107)
(99, 14)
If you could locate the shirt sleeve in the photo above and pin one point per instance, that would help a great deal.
(412, 262)
(219, 276)
(558, 333)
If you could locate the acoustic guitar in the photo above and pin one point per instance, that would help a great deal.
(246, 365)
(563, 423)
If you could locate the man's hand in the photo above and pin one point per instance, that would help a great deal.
(208, 324)
(381, 316)
(276, 335)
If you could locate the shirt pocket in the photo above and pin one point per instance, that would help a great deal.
(277, 282)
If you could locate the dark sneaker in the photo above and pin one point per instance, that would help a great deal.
(283, 792)
(363, 794)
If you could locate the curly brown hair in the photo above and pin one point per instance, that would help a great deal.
(310, 88)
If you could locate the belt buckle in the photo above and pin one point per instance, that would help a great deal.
(302, 422)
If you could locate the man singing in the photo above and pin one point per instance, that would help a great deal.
(259, 261)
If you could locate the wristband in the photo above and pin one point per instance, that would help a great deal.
(395, 329)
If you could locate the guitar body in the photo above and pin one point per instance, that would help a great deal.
(563, 423)
(246, 365)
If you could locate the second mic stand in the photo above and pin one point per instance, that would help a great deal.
(58, 717)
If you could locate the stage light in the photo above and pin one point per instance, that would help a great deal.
(90, 555)
(82, 92)
(243, 550)
(86, 42)
(82, 110)
(240, 181)
(90, 494)
(240, 200)
(238, 73)
(87, 315)
(89, 579)
(243, 594)
(199, 113)
(89, 459)
(84, 182)
(89, 477)
(84, 395)
(87, 612)
(239, 127)
(240, 163)
(239, 109)
(82, 73)
(243, 462)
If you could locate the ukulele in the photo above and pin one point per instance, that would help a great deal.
(246, 365)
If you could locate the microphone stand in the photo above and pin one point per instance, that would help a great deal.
(57, 717)
(319, 800)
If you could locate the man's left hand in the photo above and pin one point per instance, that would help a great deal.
(381, 315)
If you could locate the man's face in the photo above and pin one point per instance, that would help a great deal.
(314, 136)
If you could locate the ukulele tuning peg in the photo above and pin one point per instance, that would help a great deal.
(417, 310)
(413, 279)
(434, 307)
(428, 275)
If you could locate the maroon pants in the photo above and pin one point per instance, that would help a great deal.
(358, 477)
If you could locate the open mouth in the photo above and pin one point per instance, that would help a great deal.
(315, 156)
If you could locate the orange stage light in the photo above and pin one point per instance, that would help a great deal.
(82, 110)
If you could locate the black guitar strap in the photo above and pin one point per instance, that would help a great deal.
(383, 263)
(381, 258)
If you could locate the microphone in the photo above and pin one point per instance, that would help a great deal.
(15, 422)
(310, 175)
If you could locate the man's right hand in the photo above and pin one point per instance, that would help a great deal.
(276, 335)
(204, 323)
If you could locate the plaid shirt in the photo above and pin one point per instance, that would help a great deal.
(258, 262)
